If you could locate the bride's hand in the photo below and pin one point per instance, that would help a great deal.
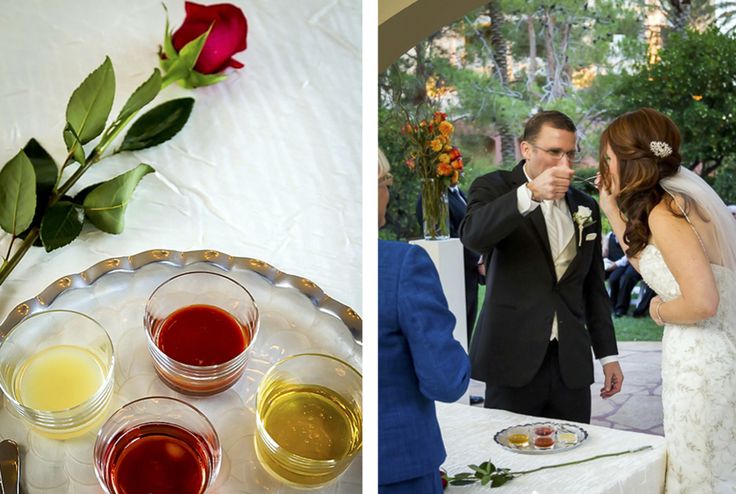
(653, 304)
(607, 198)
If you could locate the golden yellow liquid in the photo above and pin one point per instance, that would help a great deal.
(312, 422)
(518, 440)
(58, 378)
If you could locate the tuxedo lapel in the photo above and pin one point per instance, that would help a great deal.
(572, 205)
(536, 217)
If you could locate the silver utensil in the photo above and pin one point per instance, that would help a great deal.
(9, 467)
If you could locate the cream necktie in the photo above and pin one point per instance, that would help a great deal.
(559, 225)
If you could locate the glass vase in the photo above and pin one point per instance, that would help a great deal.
(435, 209)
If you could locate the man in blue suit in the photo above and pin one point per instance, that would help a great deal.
(418, 362)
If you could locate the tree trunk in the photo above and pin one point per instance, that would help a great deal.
(681, 14)
(419, 96)
(531, 70)
(500, 52)
(549, 46)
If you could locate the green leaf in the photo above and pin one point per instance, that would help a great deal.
(46, 174)
(498, 481)
(189, 53)
(73, 144)
(142, 96)
(105, 205)
(168, 45)
(82, 194)
(61, 224)
(158, 125)
(462, 482)
(17, 194)
(197, 79)
(485, 480)
(175, 69)
(91, 102)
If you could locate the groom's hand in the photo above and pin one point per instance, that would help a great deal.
(552, 183)
(614, 378)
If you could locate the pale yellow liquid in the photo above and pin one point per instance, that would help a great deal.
(312, 422)
(58, 378)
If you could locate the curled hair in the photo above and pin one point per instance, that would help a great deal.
(640, 170)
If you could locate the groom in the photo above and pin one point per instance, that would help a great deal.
(545, 304)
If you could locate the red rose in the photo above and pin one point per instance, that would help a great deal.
(228, 35)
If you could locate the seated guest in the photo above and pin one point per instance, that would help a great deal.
(622, 277)
(614, 258)
(418, 362)
(642, 308)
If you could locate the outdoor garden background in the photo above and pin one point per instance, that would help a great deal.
(499, 64)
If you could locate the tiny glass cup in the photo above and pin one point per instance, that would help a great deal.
(543, 436)
(200, 326)
(308, 419)
(157, 444)
(518, 437)
(56, 372)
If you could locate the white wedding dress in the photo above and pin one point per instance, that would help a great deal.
(698, 386)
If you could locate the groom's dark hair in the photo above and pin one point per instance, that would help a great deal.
(555, 119)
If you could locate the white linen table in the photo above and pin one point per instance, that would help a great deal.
(468, 435)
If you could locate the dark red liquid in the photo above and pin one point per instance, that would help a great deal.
(202, 335)
(158, 458)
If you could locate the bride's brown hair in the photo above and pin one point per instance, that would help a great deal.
(640, 170)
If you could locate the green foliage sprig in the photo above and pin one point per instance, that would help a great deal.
(488, 474)
(35, 205)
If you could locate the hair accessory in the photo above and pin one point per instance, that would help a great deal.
(660, 149)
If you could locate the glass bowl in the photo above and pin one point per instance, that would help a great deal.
(200, 326)
(308, 419)
(157, 444)
(57, 371)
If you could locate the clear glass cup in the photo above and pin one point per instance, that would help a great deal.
(308, 419)
(157, 444)
(544, 436)
(212, 291)
(56, 371)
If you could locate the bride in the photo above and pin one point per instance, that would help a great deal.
(682, 239)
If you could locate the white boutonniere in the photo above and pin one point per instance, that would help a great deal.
(583, 217)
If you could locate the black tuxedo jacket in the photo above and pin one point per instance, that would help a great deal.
(522, 291)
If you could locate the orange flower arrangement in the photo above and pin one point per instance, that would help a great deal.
(431, 153)
(438, 164)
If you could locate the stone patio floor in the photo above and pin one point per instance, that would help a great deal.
(638, 407)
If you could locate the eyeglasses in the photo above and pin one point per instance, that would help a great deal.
(386, 180)
(559, 153)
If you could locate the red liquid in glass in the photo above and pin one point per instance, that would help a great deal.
(202, 335)
(158, 458)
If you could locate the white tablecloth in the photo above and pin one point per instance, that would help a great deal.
(268, 165)
(468, 435)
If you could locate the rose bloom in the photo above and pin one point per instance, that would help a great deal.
(408, 129)
(444, 158)
(439, 116)
(410, 163)
(444, 170)
(455, 154)
(446, 127)
(457, 164)
(436, 145)
(227, 37)
(455, 177)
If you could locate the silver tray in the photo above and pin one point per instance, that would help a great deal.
(502, 437)
(296, 316)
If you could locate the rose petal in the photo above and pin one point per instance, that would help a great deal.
(227, 37)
